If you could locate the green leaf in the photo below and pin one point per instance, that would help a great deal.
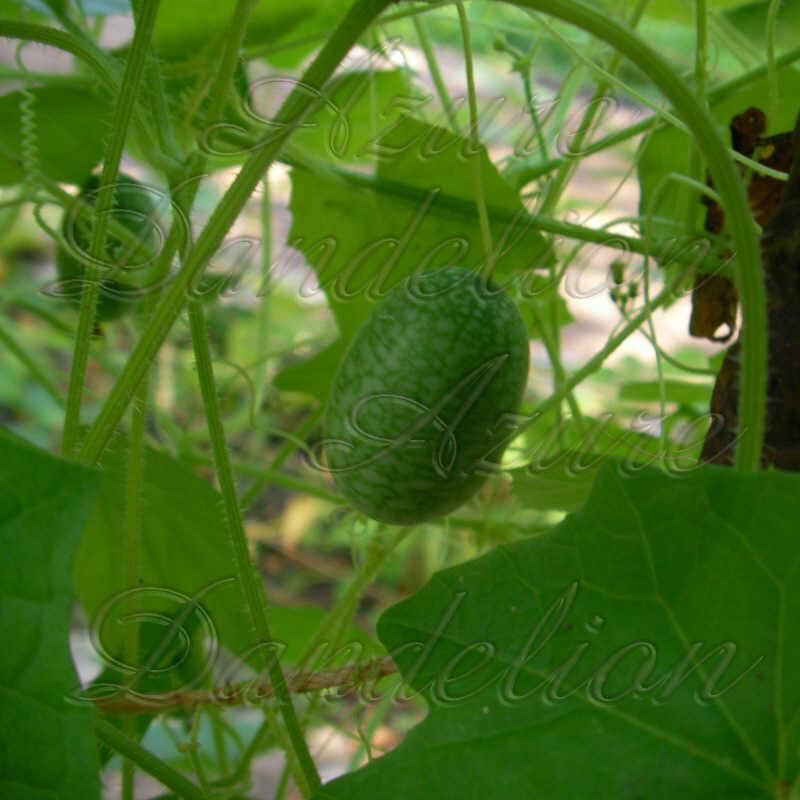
(681, 392)
(46, 745)
(297, 625)
(53, 7)
(313, 376)
(358, 107)
(184, 551)
(751, 20)
(563, 484)
(185, 26)
(185, 557)
(644, 648)
(65, 137)
(666, 9)
(667, 151)
(363, 239)
(537, 304)
(556, 463)
(547, 439)
(678, 12)
(291, 46)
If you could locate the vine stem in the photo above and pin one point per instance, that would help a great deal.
(336, 621)
(226, 696)
(298, 754)
(335, 625)
(78, 46)
(264, 293)
(475, 142)
(556, 186)
(132, 550)
(148, 763)
(248, 580)
(123, 112)
(435, 73)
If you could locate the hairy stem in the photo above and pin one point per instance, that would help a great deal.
(247, 577)
(146, 761)
(123, 111)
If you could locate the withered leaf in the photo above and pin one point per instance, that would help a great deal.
(714, 298)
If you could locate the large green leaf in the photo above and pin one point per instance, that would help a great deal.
(185, 556)
(358, 107)
(62, 128)
(363, 238)
(185, 26)
(667, 151)
(555, 463)
(47, 746)
(644, 648)
(751, 20)
(685, 12)
(184, 552)
(293, 45)
(678, 12)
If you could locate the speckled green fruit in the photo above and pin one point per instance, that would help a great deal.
(419, 411)
(132, 207)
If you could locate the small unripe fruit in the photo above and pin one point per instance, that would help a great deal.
(131, 264)
(421, 405)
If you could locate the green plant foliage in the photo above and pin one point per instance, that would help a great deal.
(183, 28)
(46, 745)
(313, 376)
(664, 9)
(750, 19)
(64, 135)
(563, 484)
(677, 12)
(359, 257)
(555, 463)
(585, 612)
(291, 46)
(675, 391)
(642, 648)
(358, 107)
(543, 302)
(168, 532)
(169, 579)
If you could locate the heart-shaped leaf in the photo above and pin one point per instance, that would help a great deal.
(644, 648)
(46, 745)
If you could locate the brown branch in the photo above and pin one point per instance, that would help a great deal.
(252, 692)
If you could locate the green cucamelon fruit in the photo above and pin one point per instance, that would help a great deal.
(126, 268)
(424, 399)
